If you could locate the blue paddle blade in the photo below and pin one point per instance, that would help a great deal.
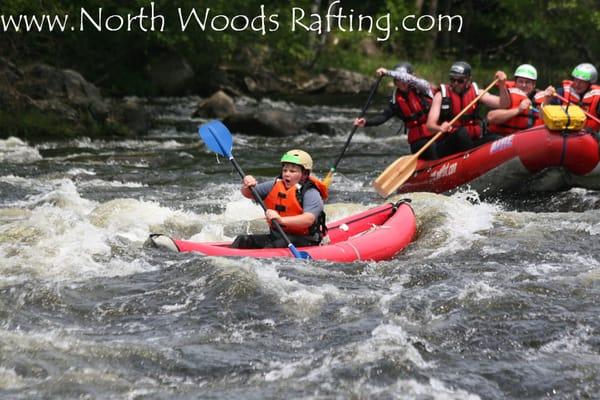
(299, 254)
(217, 137)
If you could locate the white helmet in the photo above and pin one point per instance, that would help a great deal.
(586, 72)
(527, 71)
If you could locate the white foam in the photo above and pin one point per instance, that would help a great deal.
(574, 342)
(28, 183)
(10, 380)
(80, 171)
(113, 184)
(284, 370)
(132, 219)
(14, 150)
(362, 137)
(298, 299)
(63, 236)
(395, 290)
(61, 193)
(277, 104)
(389, 339)
(454, 222)
(542, 269)
(180, 307)
(211, 232)
(336, 119)
(242, 209)
(130, 144)
(413, 389)
(476, 291)
(594, 230)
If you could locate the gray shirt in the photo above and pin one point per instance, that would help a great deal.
(311, 202)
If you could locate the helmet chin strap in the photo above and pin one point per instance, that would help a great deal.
(305, 175)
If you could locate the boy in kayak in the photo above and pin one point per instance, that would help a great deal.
(294, 199)
(452, 98)
(583, 91)
(525, 103)
(410, 102)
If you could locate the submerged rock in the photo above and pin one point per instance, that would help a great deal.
(219, 105)
(272, 123)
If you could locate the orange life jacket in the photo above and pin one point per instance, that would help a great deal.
(523, 120)
(453, 104)
(288, 202)
(590, 101)
(569, 93)
(413, 111)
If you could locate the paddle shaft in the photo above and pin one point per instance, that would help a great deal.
(585, 112)
(362, 114)
(453, 120)
(402, 169)
(264, 207)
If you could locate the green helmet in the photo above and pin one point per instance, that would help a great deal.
(526, 71)
(298, 157)
(586, 72)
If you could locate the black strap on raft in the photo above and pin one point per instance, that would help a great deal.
(566, 110)
(397, 204)
(565, 134)
(394, 207)
(320, 224)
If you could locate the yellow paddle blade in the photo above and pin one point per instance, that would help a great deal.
(328, 178)
(402, 169)
(395, 175)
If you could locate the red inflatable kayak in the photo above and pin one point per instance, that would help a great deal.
(513, 163)
(375, 234)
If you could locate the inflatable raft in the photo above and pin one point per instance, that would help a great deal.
(375, 234)
(537, 159)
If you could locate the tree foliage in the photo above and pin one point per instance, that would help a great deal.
(554, 35)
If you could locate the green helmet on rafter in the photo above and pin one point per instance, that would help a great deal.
(298, 157)
(586, 72)
(526, 71)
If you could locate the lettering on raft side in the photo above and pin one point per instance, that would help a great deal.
(446, 170)
(501, 144)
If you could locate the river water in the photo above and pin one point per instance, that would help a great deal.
(496, 298)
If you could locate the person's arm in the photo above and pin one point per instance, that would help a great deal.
(491, 100)
(303, 220)
(378, 119)
(247, 183)
(500, 116)
(503, 100)
(421, 85)
(549, 97)
(262, 189)
(434, 116)
(312, 206)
